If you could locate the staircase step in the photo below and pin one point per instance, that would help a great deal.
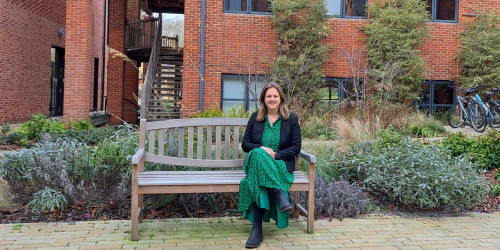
(179, 67)
(168, 78)
(168, 62)
(159, 102)
(170, 57)
(167, 85)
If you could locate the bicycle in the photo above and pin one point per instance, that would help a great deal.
(491, 116)
(494, 107)
(467, 109)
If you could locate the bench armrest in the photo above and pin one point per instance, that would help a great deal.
(136, 158)
(308, 157)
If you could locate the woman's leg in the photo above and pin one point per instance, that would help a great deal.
(281, 200)
(256, 236)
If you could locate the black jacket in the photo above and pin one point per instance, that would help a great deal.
(290, 138)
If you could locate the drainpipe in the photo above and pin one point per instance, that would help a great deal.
(202, 53)
(103, 78)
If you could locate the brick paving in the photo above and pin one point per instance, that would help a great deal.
(471, 231)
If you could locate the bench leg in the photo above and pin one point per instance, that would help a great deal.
(310, 211)
(296, 200)
(134, 216)
(141, 208)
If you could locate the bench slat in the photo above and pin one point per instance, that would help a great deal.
(190, 142)
(151, 141)
(161, 142)
(193, 122)
(194, 162)
(236, 144)
(180, 149)
(167, 178)
(209, 142)
(227, 142)
(199, 146)
(171, 141)
(218, 148)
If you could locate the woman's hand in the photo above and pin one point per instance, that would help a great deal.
(269, 151)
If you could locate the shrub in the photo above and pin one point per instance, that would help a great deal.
(317, 128)
(395, 30)
(80, 124)
(47, 199)
(337, 199)
(83, 174)
(479, 51)
(89, 137)
(237, 111)
(423, 176)
(483, 151)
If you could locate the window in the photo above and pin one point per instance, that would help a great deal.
(242, 90)
(241, 6)
(346, 8)
(339, 89)
(443, 10)
(436, 96)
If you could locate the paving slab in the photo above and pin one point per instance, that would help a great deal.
(470, 231)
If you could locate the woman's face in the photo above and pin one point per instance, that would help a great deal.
(272, 99)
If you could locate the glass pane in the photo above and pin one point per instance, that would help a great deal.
(233, 87)
(53, 54)
(229, 104)
(261, 6)
(235, 5)
(255, 85)
(355, 7)
(425, 95)
(446, 10)
(333, 7)
(443, 94)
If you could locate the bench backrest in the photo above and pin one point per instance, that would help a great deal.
(197, 142)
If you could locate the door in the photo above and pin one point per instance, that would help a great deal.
(56, 81)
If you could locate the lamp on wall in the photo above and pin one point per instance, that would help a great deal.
(60, 32)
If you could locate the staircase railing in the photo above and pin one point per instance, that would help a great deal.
(147, 86)
(170, 42)
(141, 34)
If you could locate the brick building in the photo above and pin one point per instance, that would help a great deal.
(210, 70)
(54, 59)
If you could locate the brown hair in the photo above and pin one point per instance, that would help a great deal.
(282, 109)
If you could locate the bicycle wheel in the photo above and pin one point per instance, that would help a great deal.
(456, 116)
(478, 116)
(495, 119)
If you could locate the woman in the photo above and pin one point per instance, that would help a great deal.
(272, 140)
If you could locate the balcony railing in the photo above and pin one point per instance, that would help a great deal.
(140, 34)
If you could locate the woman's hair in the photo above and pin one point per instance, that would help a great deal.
(282, 109)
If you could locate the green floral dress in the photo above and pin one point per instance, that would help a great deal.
(263, 171)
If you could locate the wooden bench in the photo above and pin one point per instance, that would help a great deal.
(218, 163)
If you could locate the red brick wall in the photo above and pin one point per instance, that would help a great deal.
(28, 29)
(98, 26)
(240, 44)
(121, 76)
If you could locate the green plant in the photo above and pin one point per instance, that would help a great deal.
(480, 50)
(389, 137)
(47, 199)
(214, 111)
(300, 27)
(483, 150)
(423, 176)
(394, 32)
(89, 137)
(80, 124)
(5, 128)
(495, 189)
(37, 126)
(417, 131)
(17, 227)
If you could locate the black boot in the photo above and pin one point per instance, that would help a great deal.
(282, 200)
(256, 236)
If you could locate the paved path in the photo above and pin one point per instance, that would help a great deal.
(472, 231)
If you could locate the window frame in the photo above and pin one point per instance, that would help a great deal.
(431, 105)
(434, 13)
(339, 83)
(343, 15)
(247, 98)
(248, 11)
